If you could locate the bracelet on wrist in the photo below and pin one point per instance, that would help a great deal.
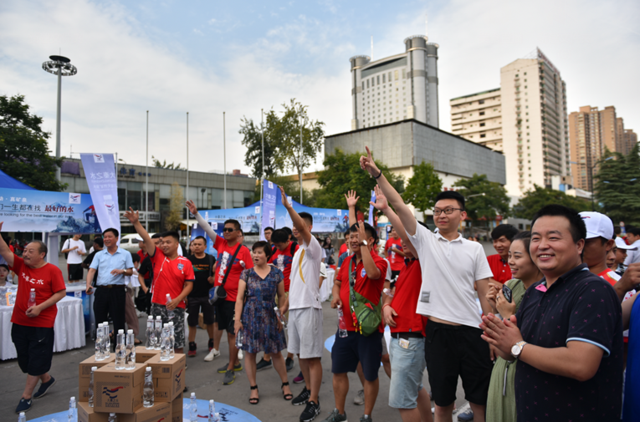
(378, 176)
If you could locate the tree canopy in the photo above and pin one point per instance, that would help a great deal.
(423, 187)
(24, 152)
(617, 186)
(164, 165)
(343, 173)
(538, 197)
(484, 199)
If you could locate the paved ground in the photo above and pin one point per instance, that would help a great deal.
(203, 379)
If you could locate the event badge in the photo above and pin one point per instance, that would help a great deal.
(404, 343)
(425, 296)
(180, 266)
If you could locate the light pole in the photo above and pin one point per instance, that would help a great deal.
(60, 66)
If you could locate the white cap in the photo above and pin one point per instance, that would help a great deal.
(158, 317)
(150, 317)
(193, 395)
(148, 369)
(620, 244)
(120, 331)
(598, 225)
(94, 368)
(170, 323)
(129, 331)
(165, 325)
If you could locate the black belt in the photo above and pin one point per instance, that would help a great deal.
(407, 335)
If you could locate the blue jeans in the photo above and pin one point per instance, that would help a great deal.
(407, 368)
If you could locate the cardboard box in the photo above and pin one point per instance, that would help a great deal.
(158, 412)
(84, 375)
(143, 355)
(168, 377)
(118, 391)
(86, 414)
(176, 409)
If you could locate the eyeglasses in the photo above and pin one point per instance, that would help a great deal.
(447, 211)
(228, 229)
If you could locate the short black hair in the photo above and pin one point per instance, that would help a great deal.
(525, 237)
(5, 266)
(171, 233)
(368, 229)
(268, 228)
(236, 223)
(265, 247)
(576, 224)
(135, 257)
(279, 236)
(288, 230)
(306, 217)
(451, 194)
(200, 237)
(98, 241)
(633, 230)
(506, 230)
(156, 236)
(115, 232)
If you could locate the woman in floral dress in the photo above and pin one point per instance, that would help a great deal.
(261, 330)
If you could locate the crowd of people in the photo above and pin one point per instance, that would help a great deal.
(557, 327)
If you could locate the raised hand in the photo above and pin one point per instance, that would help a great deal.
(192, 207)
(351, 198)
(132, 216)
(381, 203)
(367, 164)
(285, 201)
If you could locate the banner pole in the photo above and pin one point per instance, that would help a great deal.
(187, 194)
(146, 176)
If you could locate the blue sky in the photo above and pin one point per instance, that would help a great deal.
(206, 57)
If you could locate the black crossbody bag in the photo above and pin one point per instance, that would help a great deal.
(218, 293)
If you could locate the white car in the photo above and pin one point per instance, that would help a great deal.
(129, 242)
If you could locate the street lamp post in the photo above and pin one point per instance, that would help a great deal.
(60, 66)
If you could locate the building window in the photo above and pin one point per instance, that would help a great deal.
(384, 78)
(362, 84)
(389, 76)
(367, 83)
(395, 74)
(482, 124)
(481, 102)
(483, 135)
(378, 80)
(404, 73)
(482, 113)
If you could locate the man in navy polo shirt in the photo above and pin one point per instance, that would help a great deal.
(567, 334)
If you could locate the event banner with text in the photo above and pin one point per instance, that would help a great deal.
(53, 212)
(100, 172)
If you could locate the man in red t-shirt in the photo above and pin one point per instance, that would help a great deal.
(502, 237)
(32, 329)
(368, 271)
(394, 252)
(225, 309)
(173, 278)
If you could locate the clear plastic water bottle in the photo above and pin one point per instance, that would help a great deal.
(212, 411)
(91, 389)
(193, 408)
(158, 333)
(99, 343)
(112, 418)
(106, 346)
(148, 392)
(130, 350)
(150, 342)
(73, 410)
(387, 292)
(32, 298)
(165, 354)
(172, 341)
(342, 325)
(120, 351)
(22, 417)
(239, 338)
(170, 314)
(217, 417)
(280, 317)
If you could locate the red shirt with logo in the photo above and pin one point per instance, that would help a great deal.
(47, 280)
(242, 262)
(500, 269)
(405, 299)
(283, 260)
(169, 277)
(370, 289)
(396, 260)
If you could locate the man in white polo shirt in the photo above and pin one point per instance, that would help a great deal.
(450, 267)
(305, 310)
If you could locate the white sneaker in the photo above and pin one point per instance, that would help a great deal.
(358, 400)
(212, 355)
(240, 355)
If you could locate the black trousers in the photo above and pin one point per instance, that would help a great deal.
(110, 302)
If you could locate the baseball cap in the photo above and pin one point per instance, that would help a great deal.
(598, 225)
(621, 244)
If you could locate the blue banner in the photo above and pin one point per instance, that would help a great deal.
(99, 170)
(270, 193)
(371, 208)
(52, 212)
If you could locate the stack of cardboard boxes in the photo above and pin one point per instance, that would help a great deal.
(120, 391)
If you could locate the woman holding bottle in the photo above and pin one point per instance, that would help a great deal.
(259, 324)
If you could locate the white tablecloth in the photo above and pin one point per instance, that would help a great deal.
(327, 285)
(68, 328)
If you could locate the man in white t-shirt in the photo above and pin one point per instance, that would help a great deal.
(450, 267)
(305, 310)
(633, 236)
(76, 249)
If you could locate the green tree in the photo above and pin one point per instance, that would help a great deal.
(617, 186)
(484, 199)
(343, 173)
(24, 153)
(423, 187)
(176, 205)
(538, 197)
(252, 139)
(163, 165)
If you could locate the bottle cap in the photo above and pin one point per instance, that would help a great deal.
(193, 395)
(94, 368)
(158, 318)
(170, 323)
(72, 398)
(121, 331)
(150, 317)
(148, 369)
(165, 325)
(129, 331)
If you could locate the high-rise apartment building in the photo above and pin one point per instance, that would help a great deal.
(526, 119)
(403, 86)
(478, 118)
(630, 140)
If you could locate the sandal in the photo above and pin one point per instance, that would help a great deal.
(254, 400)
(286, 396)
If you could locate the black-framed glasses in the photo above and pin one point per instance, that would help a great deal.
(447, 211)
(228, 229)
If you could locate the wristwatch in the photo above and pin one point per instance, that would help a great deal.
(364, 243)
(517, 349)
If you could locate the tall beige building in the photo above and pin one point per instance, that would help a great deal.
(630, 139)
(528, 122)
